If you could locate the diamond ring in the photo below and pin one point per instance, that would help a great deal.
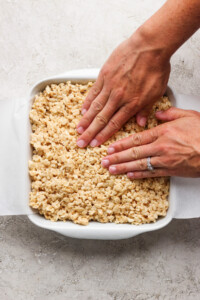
(149, 165)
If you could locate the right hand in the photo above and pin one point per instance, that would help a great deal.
(131, 80)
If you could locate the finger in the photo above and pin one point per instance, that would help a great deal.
(171, 114)
(131, 154)
(141, 116)
(148, 174)
(99, 122)
(132, 166)
(93, 93)
(114, 125)
(141, 120)
(137, 139)
(95, 108)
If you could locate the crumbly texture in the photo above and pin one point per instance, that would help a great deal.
(69, 183)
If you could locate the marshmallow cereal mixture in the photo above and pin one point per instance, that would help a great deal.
(69, 183)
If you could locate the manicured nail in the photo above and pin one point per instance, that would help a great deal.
(80, 129)
(83, 111)
(112, 169)
(81, 143)
(105, 162)
(94, 143)
(110, 150)
(143, 121)
(130, 174)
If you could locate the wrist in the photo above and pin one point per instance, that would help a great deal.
(145, 40)
(169, 27)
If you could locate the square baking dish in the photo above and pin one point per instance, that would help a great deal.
(96, 230)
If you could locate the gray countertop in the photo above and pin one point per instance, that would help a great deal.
(44, 38)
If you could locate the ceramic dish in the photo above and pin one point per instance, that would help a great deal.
(95, 230)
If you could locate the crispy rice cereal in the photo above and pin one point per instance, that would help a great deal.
(69, 183)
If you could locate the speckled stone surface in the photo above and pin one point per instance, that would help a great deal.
(44, 38)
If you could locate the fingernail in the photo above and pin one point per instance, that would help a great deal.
(159, 112)
(143, 121)
(112, 169)
(130, 174)
(81, 143)
(80, 129)
(105, 162)
(94, 143)
(110, 150)
(83, 111)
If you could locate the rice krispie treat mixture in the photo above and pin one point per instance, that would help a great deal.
(69, 183)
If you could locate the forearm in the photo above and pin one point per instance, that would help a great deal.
(171, 26)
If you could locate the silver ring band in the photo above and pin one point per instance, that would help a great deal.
(149, 165)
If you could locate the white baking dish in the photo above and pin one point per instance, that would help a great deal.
(95, 230)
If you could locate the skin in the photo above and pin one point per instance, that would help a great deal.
(173, 151)
(121, 91)
(136, 75)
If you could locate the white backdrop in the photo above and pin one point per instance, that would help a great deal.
(40, 38)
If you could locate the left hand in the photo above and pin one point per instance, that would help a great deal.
(174, 148)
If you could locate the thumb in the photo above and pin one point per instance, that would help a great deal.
(171, 114)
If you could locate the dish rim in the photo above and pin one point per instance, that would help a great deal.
(97, 230)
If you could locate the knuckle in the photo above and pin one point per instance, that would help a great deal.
(105, 71)
(122, 168)
(88, 134)
(160, 148)
(114, 124)
(97, 106)
(88, 99)
(95, 90)
(167, 149)
(165, 162)
(139, 175)
(126, 110)
(119, 94)
(153, 134)
(120, 147)
(101, 137)
(166, 129)
(115, 158)
(84, 123)
(136, 139)
(101, 120)
(116, 96)
(136, 104)
(134, 153)
(142, 164)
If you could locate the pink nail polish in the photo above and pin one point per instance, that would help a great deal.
(105, 162)
(94, 143)
(112, 169)
(81, 143)
(80, 129)
(110, 150)
(83, 111)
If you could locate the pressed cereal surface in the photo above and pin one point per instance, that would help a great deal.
(69, 183)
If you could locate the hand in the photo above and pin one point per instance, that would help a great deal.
(132, 79)
(174, 148)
